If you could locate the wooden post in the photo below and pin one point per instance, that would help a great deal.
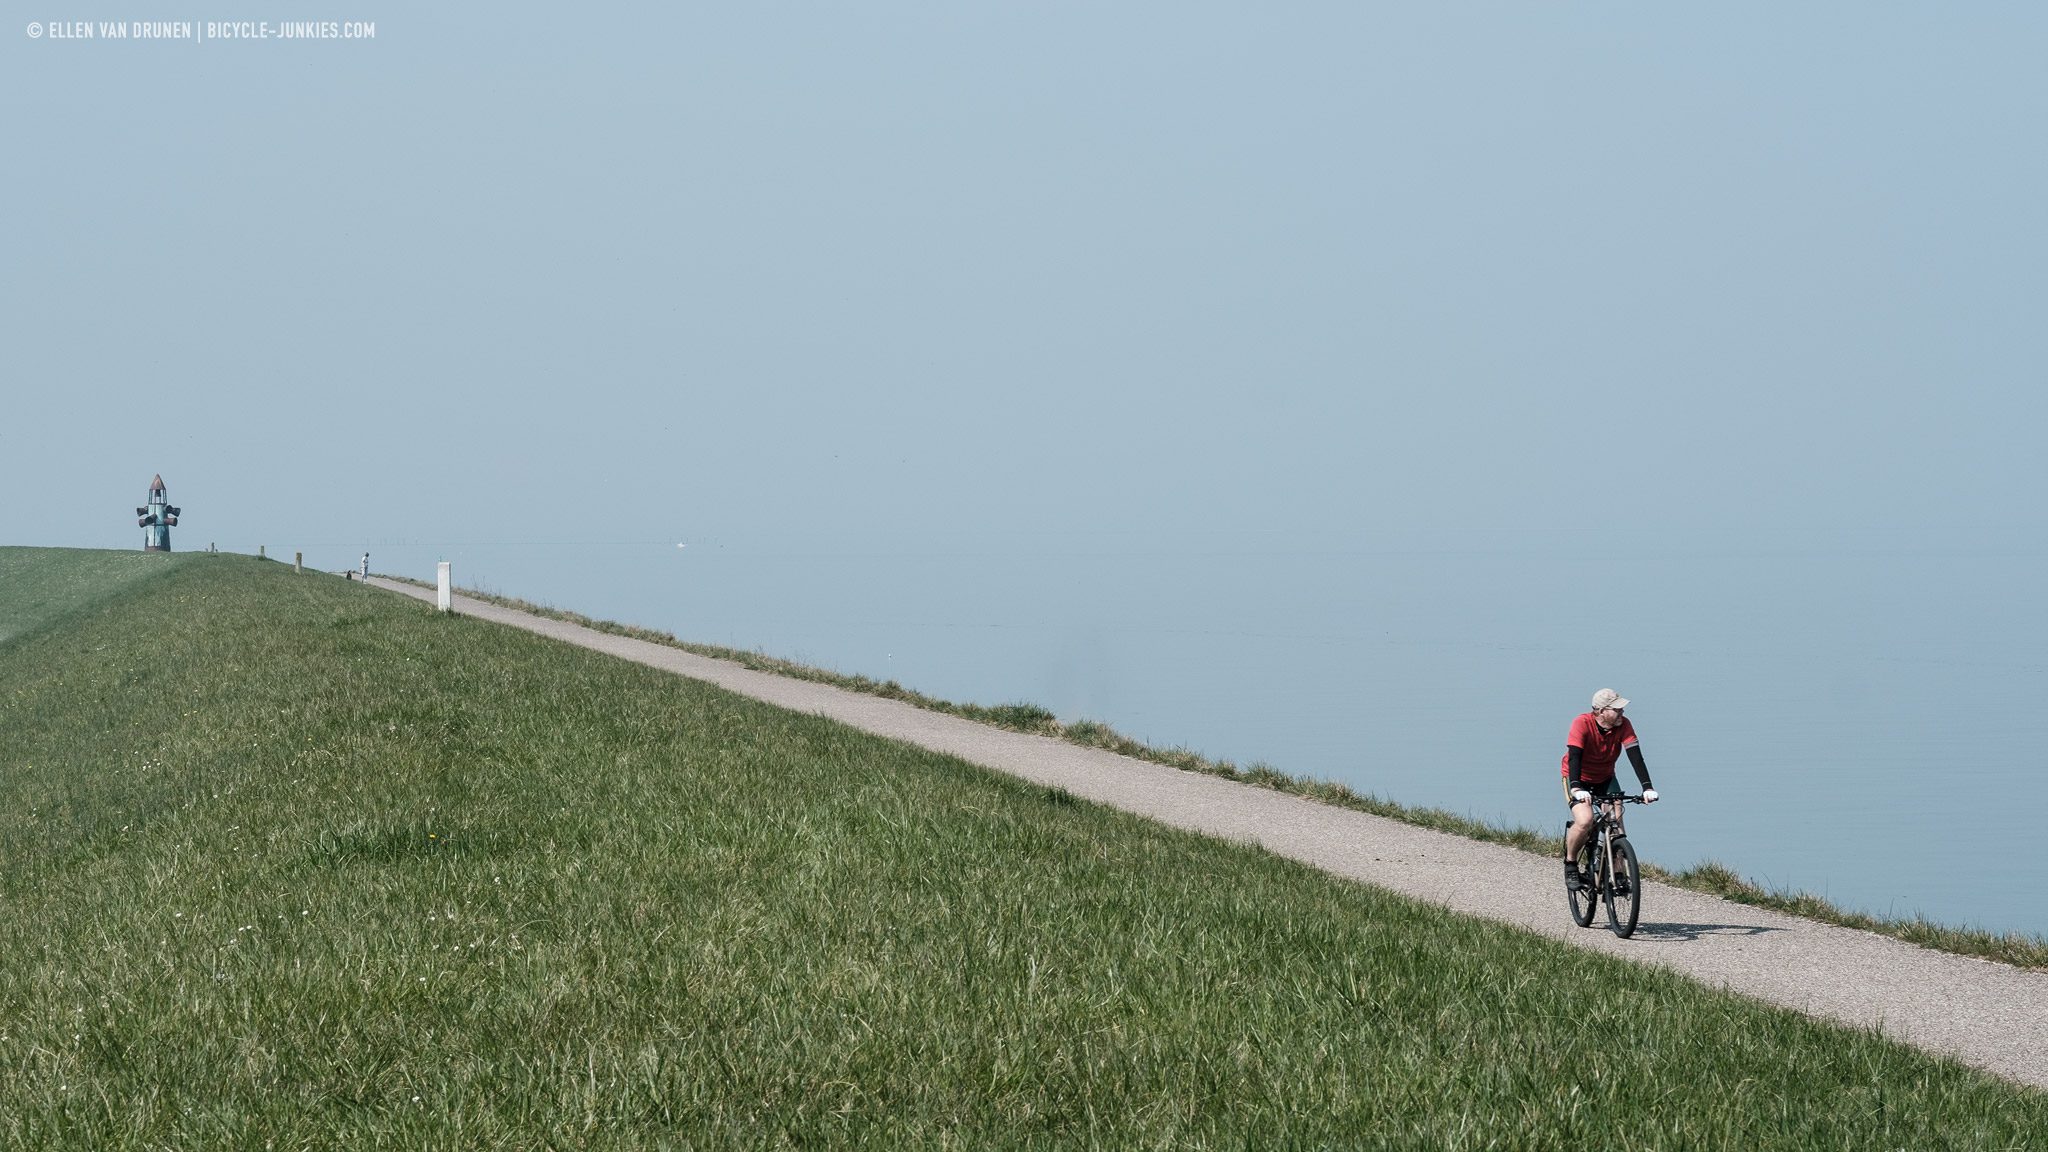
(446, 598)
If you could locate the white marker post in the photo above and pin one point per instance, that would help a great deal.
(446, 600)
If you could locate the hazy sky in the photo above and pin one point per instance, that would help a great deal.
(578, 272)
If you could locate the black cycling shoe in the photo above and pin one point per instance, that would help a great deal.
(1574, 880)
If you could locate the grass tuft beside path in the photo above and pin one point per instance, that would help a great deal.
(293, 862)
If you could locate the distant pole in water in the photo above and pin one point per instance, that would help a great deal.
(158, 519)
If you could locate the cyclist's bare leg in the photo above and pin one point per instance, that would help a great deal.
(1582, 827)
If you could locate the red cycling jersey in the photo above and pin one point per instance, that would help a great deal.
(1599, 750)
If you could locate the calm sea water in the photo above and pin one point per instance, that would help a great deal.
(1856, 715)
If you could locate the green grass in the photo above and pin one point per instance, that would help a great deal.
(296, 863)
(40, 587)
(2016, 948)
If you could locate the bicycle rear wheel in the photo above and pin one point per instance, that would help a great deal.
(1623, 888)
(1584, 901)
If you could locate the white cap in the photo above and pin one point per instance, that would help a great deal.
(1608, 698)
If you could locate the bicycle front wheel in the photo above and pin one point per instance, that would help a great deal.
(1623, 888)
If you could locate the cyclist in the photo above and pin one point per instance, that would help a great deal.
(1596, 740)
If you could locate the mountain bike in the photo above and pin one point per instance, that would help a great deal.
(1617, 881)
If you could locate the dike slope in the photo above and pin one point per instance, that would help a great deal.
(1988, 1015)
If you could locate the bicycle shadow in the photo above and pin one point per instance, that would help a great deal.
(1683, 933)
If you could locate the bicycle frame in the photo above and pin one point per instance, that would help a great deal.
(1607, 814)
(1611, 863)
(1607, 822)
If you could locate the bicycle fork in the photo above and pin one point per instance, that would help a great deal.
(1617, 875)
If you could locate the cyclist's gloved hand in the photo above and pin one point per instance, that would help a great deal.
(1581, 794)
(1649, 795)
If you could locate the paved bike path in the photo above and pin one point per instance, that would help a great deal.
(1988, 1015)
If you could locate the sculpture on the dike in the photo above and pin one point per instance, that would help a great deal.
(157, 520)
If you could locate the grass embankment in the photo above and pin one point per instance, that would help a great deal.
(2018, 949)
(293, 861)
(41, 586)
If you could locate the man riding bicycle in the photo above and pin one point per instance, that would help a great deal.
(1596, 740)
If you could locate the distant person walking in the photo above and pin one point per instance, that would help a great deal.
(366, 565)
(1595, 741)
